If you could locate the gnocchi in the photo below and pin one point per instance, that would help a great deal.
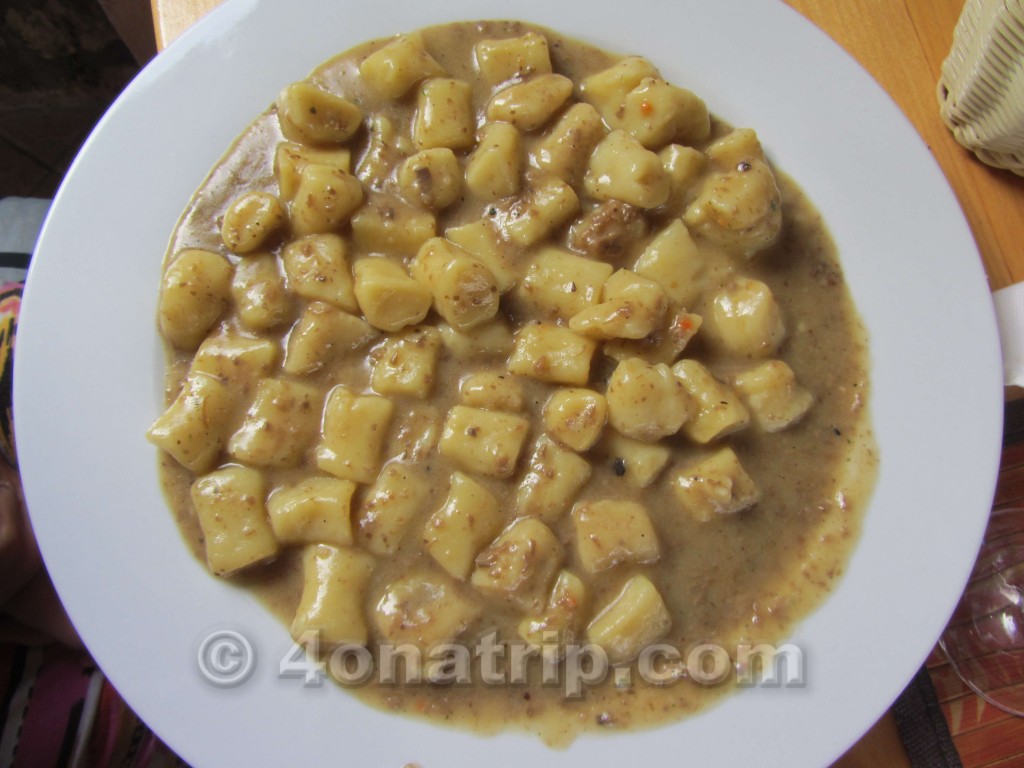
(487, 333)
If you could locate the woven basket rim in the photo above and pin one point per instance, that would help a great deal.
(981, 86)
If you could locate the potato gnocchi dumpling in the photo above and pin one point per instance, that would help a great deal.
(499, 61)
(398, 66)
(317, 268)
(195, 291)
(251, 221)
(634, 619)
(739, 204)
(431, 178)
(530, 104)
(469, 518)
(444, 117)
(314, 510)
(494, 168)
(482, 333)
(334, 585)
(230, 508)
(423, 609)
(311, 115)
(520, 565)
(562, 617)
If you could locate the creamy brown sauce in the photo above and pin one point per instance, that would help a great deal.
(743, 577)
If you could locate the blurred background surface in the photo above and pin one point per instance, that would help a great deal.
(62, 63)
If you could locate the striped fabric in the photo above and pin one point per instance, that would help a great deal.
(10, 305)
(61, 712)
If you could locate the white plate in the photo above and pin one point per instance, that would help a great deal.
(89, 372)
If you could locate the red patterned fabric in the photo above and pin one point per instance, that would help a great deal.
(10, 305)
(60, 711)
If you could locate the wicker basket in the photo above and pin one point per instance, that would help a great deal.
(981, 88)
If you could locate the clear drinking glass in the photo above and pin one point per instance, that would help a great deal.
(984, 639)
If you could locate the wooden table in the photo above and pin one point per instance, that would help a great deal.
(902, 43)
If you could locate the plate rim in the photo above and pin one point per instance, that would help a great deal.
(222, 27)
